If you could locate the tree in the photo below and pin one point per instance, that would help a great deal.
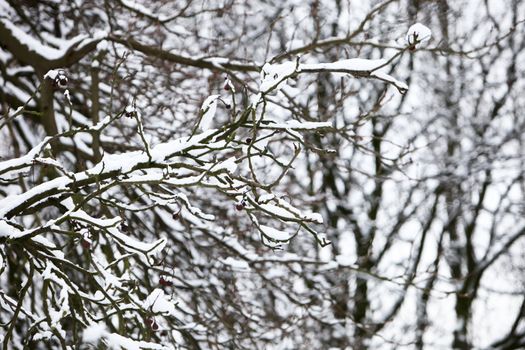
(259, 175)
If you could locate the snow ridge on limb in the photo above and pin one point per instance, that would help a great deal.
(208, 110)
(359, 68)
(274, 76)
(417, 33)
(279, 209)
(15, 165)
(96, 333)
(30, 50)
(109, 166)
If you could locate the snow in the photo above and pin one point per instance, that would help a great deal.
(42, 335)
(228, 83)
(48, 161)
(63, 302)
(31, 43)
(15, 91)
(122, 162)
(278, 211)
(230, 165)
(7, 230)
(132, 111)
(138, 7)
(273, 76)
(381, 75)
(194, 210)
(185, 181)
(52, 74)
(345, 260)
(236, 264)
(83, 216)
(101, 124)
(98, 331)
(255, 99)
(23, 161)
(118, 342)
(132, 245)
(77, 141)
(47, 52)
(296, 125)
(196, 244)
(208, 110)
(135, 5)
(307, 216)
(265, 198)
(352, 64)
(157, 302)
(67, 96)
(103, 45)
(274, 234)
(9, 203)
(418, 33)
(50, 245)
(285, 211)
(358, 67)
(165, 150)
(94, 332)
(153, 177)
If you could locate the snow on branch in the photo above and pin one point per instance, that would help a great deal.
(274, 76)
(32, 51)
(208, 110)
(20, 163)
(109, 166)
(416, 34)
(96, 333)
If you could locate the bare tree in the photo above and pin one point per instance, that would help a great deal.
(263, 174)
